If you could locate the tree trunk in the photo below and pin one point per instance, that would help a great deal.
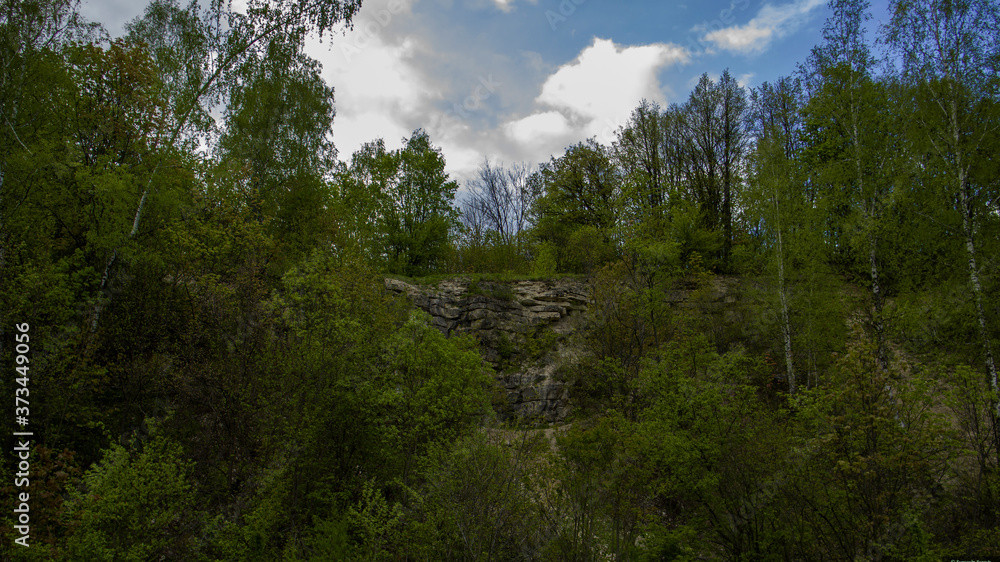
(977, 295)
(108, 269)
(786, 326)
(881, 356)
(968, 231)
(871, 219)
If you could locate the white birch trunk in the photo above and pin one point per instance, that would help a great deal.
(786, 326)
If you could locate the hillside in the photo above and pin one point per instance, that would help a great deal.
(758, 322)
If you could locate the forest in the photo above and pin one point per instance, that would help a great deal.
(196, 333)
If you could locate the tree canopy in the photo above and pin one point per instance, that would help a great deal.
(786, 350)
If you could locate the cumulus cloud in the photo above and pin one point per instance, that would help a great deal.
(771, 22)
(377, 92)
(538, 128)
(595, 93)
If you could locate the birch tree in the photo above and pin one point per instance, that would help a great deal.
(773, 187)
(950, 51)
(209, 44)
(850, 141)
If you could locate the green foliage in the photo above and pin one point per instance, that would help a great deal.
(587, 248)
(540, 343)
(328, 540)
(720, 451)
(546, 259)
(217, 354)
(602, 484)
(880, 448)
(374, 523)
(136, 504)
(577, 206)
(440, 388)
(401, 203)
(500, 291)
(481, 498)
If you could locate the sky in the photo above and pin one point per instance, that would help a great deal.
(521, 80)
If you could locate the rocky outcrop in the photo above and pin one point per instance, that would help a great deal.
(524, 328)
(521, 327)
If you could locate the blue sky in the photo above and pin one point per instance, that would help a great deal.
(520, 80)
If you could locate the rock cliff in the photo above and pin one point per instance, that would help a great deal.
(522, 328)
(531, 330)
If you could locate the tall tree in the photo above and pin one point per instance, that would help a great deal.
(359, 188)
(278, 133)
(28, 30)
(733, 108)
(715, 118)
(775, 190)
(950, 51)
(502, 196)
(580, 190)
(851, 137)
(420, 217)
(704, 144)
(32, 33)
(397, 205)
(214, 40)
(638, 150)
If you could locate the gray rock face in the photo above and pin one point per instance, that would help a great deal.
(529, 330)
(505, 317)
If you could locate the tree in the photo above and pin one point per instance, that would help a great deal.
(360, 189)
(576, 211)
(419, 216)
(951, 54)
(872, 448)
(714, 450)
(137, 504)
(440, 387)
(772, 182)
(229, 38)
(639, 152)
(504, 198)
(776, 113)
(787, 224)
(715, 133)
(278, 131)
(497, 210)
(396, 206)
(733, 108)
(703, 137)
(33, 79)
(852, 142)
(28, 30)
(599, 506)
(482, 497)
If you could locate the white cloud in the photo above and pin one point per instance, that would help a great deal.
(594, 94)
(770, 23)
(507, 5)
(461, 160)
(381, 92)
(377, 92)
(538, 127)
